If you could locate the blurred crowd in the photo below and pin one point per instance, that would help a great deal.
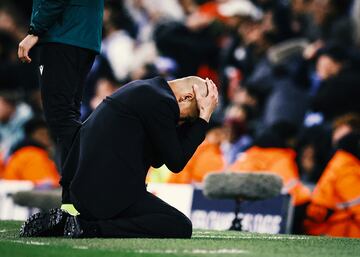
(287, 72)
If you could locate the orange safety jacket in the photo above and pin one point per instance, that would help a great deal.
(335, 203)
(280, 161)
(207, 158)
(32, 163)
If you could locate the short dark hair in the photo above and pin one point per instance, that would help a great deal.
(335, 51)
(350, 143)
(350, 119)
(34, 124)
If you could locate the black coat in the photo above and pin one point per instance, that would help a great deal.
(131, 130)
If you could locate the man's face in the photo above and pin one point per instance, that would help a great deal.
(42, 136)
(326, 67)
(340, 132)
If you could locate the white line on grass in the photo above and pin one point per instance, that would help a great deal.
(193, 251)
(217, 251)
(252, 237)
(81, 247)
(8, 230)
(29, 242)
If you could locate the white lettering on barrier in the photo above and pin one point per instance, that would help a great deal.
(250, 222)
(261, 223)
(211, 220)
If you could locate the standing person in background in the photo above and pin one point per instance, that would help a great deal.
(68, 33)
(272, 151)
(30, 158)
(334, 209)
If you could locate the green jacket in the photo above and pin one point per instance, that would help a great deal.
(72, 22)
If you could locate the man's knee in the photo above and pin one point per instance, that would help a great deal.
(188, 228)
(183, 227)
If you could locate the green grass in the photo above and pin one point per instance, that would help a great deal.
(203, 243)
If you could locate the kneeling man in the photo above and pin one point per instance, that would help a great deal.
(145, 123)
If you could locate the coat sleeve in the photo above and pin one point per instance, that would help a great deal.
(174, 148)
(47, 13)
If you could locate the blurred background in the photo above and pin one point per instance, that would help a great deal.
(288, 77)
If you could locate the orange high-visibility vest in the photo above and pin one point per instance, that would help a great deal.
(207, 158)
(280, 161)
(32, 163)
(335, 203)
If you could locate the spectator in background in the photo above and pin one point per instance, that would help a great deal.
(193, 43)
(29, 159)
(118, 46)
(334, 209)
(313, 153)
(13, 115)
(11, 21)
(339, 90)
(344, 125)
(12, 30)
(236, 126)
(247, 45)
(330, 21)
(251, 97)
(272, 152)
(301, 19)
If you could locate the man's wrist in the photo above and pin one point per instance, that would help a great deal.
(32, 31)
(205, 117)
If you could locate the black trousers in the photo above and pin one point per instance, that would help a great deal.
(63, 69)
(148, 217)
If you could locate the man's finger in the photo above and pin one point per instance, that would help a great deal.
(214, 87)
(22, 55)
(27, 59)
(26, 55)
(20, 52)
(213, 84)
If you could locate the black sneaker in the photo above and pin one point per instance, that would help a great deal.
(45, 224)
(73, 228)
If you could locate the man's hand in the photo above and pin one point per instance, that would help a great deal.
(24, 47)
(206, 104)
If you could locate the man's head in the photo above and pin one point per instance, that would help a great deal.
(183, 89)
(331, 60)
(344, 125)
(37, 130)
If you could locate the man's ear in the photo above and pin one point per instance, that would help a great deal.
(188, 97)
